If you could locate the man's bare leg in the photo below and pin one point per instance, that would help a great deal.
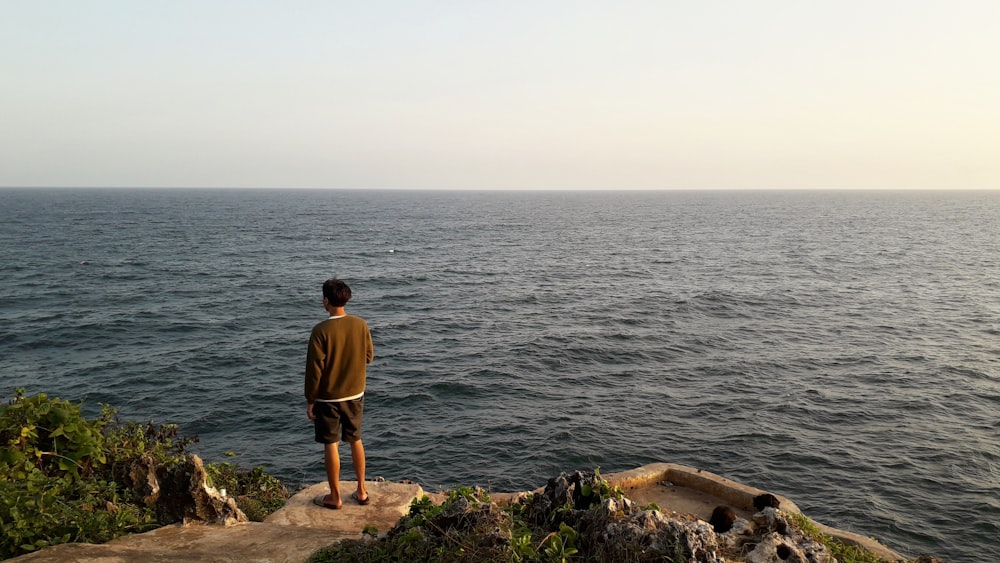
(358, 459)
(331, 459)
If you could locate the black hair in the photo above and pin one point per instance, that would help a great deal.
(336, 292)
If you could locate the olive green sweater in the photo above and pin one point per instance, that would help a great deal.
(339, 350)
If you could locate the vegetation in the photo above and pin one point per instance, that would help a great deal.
(466, 527)
(63, 476)
(561, 524)
(576, 518)
(257, 493)
(63, 479)
(842, 552)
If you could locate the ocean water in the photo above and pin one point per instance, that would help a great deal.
(841, 348)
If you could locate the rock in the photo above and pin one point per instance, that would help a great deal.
(741, 527)
(140, 475)
(454, 514)
(556, 495)
(775, 548)
(623, 505)
(772, 548)
(649, 520)
(697, 538)
(179, 493)
(694, 540)
(144, 482)
(769, 519)
(185, 496)
(771, 538)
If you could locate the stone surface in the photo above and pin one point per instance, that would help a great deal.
(389, 502)
(249, 542)
(689, 490)
(289, 535)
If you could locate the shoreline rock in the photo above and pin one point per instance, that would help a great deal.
(181, 493)
(307, 526)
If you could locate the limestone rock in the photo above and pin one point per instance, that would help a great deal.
(142, 475)
(695, 537)
(179, 493)
(185, 496)
(775, 548)
(770, 519)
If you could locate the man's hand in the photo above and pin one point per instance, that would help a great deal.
(309, 411)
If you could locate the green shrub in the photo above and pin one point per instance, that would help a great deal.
(559, 524)
(54, 487)
(257, 494)
(63, 477)
(467, 526)
(49, 435)
(841, 551)
(129, 440)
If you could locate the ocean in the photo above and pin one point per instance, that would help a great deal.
(841, 348)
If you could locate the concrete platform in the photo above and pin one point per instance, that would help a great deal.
(252, 542)
(688, 490)
(289, 535)
(389, 502)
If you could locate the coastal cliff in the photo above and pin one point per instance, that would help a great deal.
(652, 499)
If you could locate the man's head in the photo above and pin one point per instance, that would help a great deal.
(336, 292)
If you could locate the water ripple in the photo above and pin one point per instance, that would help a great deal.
(836, 348)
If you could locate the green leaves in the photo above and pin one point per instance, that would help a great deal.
(559, 546)
(56, 474)
(257, 493)
(53, 433)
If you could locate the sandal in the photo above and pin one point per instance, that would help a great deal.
(321, 501)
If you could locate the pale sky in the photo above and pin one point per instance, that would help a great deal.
(501, 94)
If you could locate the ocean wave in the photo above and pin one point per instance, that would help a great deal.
(838, 350)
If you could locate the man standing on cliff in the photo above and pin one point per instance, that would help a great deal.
(339, 350)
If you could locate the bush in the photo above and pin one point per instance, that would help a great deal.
(841, 551)
(257, 494)
(51, 436)
(577, 517)
(63, 477)
(468, 526)
(54, 487)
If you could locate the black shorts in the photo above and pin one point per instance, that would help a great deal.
(336, 421)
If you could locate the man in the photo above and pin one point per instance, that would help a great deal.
(339, 350)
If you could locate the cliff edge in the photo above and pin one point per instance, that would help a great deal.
(294, 532)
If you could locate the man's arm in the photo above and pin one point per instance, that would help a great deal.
(369, 348)
(315, 358)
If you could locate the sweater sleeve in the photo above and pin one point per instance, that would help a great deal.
(370, 348)
(315, 358)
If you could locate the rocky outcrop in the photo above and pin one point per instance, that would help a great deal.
(666, 482)
(769, 537)
(624, 531)
(181, 493)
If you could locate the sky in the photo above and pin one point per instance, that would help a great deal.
(500, 95)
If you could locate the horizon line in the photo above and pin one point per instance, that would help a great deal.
(510, 189)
